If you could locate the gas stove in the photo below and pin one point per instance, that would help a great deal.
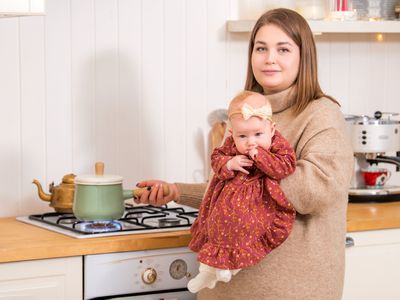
(136, 219)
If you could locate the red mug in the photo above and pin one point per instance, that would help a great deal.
(375, 179)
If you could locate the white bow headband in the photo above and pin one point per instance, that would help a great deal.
(247, 111)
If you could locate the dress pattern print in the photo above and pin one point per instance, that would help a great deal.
(243, 217)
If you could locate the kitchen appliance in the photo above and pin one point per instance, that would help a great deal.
(140, 275)
(135, 219)
(372, 138)
(61, 196)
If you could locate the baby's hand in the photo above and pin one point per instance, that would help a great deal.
(253, 153)
(238, 162)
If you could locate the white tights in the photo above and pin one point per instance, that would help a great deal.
(208, 277)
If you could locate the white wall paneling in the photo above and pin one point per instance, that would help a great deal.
(33, 111)
(135, 83)
(174, 100)
(83, 85)
(130, 116)
(10, 117)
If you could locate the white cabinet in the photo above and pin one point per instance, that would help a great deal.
(47, 279)
(9, 8)
(373, 266)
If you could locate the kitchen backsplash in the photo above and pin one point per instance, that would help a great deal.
(133, 83)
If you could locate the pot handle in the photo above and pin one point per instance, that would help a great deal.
(138, 192)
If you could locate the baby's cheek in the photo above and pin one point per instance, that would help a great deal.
(265, 144)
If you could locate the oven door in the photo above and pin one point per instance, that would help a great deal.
(179, 294)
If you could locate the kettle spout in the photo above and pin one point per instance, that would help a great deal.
(41, 193)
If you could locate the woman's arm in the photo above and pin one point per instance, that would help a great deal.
(191, 194)
(324, 163)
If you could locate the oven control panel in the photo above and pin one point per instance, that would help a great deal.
(139, 271)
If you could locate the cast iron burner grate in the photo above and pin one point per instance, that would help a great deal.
(135, 218)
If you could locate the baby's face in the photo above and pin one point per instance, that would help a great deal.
(252, 133)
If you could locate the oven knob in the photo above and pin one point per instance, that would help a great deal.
(149, 276)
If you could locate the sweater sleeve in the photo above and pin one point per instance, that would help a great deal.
(279, 161)
(324, 163)
(191, 193)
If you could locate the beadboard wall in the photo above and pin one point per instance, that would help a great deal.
(138, 83)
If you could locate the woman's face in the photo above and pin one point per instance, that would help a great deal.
(275, 59)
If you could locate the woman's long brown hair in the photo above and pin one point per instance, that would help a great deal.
(306, 86)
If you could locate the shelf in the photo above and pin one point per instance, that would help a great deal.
(13, 8)
(328, 26)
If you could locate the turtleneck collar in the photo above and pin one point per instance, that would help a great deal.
(281, 100)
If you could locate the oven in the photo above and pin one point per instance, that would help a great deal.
(145, 275)
(140, 275)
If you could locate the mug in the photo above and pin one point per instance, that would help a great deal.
(375, 179)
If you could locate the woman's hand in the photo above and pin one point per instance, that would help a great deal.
(155, 194)
(238, 162)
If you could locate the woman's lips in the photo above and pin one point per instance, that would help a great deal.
(270, 72)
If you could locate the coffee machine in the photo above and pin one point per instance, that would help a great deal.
(372, 139)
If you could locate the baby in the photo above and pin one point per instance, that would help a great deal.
(244, 213)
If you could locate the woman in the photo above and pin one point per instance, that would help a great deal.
(282, 64)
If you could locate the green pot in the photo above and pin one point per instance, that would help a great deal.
(99, 198)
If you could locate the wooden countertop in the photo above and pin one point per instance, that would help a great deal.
(361, 217)
(20, 241)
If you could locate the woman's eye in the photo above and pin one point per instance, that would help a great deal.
(284, 50)
(260, 49)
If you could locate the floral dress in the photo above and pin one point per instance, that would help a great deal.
(243, 217)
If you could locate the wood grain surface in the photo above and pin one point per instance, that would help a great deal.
(20, 241)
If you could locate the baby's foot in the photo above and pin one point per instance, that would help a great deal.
(201, 281)
(224, 275)
(234, 272)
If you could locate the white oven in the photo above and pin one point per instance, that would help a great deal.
(140, 275)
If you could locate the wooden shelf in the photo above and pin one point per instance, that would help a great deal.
(328, 26)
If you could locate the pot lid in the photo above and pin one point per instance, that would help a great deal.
(98, 179)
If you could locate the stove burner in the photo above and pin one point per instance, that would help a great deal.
(99, 226)
(136, 219)
(165, 222)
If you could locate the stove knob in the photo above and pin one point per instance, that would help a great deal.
(149, 276)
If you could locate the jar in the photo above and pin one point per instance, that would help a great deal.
(313, 9)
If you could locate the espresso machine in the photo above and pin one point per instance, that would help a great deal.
(372, 139)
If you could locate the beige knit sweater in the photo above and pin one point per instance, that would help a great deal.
(310, 264)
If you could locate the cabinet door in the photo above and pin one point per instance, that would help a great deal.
(49, 279)
(373, 266)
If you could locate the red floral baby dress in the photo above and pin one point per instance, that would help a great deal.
(243, 217)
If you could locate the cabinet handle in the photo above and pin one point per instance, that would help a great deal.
(349, 242)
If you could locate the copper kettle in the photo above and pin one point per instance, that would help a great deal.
(61, 196)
